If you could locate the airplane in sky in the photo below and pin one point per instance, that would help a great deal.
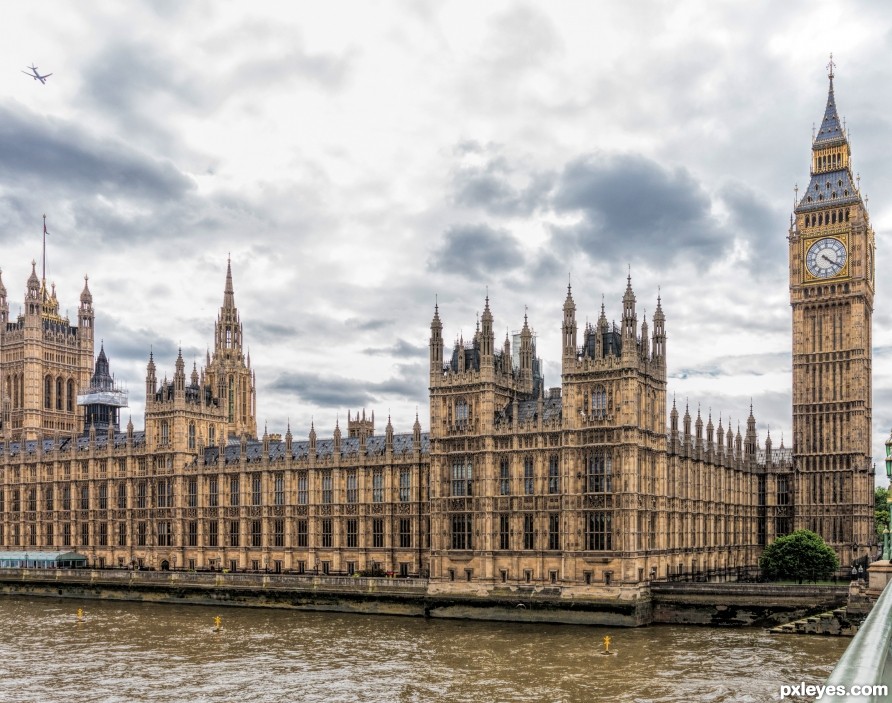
(35, 75)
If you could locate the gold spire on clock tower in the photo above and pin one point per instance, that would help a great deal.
(831, 246)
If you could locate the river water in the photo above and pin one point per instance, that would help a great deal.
(125, 652)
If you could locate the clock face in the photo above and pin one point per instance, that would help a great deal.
(826, 257)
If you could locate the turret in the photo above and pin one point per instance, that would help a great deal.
(659, 335)
(4, 306)
(630, 320)
(151, 379)
(526, 356)
(436, 345)
(85, 312)
(487, 337)
(179, 376)
(568, 330)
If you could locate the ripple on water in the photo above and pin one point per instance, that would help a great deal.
(146, 652)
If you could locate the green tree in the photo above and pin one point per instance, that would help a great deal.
(802, 555)
(881, 510)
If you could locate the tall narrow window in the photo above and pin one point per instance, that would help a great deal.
(528, 478)
(377, 486)
(279, 489)
(529, 541)
(352, 486)
(504, 531)
(48, 393)
(69, 397)
(302, 491)
(504, 477)
(234, 489)
(326, 488)
(461, 477)
(191, 435)
(599, 473)
(60, 393)
(405, 485)
(554, 480)
(256, 489)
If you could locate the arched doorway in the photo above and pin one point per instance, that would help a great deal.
(165, 565)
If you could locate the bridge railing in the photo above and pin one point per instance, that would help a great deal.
(867, 661)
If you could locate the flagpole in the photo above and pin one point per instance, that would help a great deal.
(44, 250)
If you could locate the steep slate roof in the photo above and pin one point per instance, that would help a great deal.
(83, 443)
(402, 443)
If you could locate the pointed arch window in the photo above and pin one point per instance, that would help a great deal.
(165, 432)
(69, 396)
(599, 402)
(48, 393)
(228, 338)
(60, 395)
(191, 435)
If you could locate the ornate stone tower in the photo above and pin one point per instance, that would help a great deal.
(44, 361)
(831, 292)
(229, 370)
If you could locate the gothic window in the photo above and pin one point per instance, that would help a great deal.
(103, 496)
(228, 338)
(598, 531)
(598, 473)
(326, 533)
(326, 488)
(528, 477)
(60, 396)
(504, 477)
(48, 393)
(234, 533)
(256, 489)
(278, 533)
(529, 541)
(192, 531)
(554, 531)
(461, 477)
(352, 533)
(599, 402)
(234, 489)
(279, 489)
(352, 487)
(504, 531)
(256, 533)
(165, 433)
(191, 435)
(554, 481)
(192, 493)
(213, 534)
(405, 485)
(213, 494)
(378, 533)
(165, 534)
(378, 486)
(231, 399)
(462, 412)
(212, 435)
(462, 531)
(85, 498)
(405, 533)
(302, 492)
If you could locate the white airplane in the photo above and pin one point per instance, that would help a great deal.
(35, 75)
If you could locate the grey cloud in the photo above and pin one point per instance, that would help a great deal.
(401, 349)
(46, 153)
(343, 392)
(477, 252)
(489, 186)
(633, 208)
(743, 364)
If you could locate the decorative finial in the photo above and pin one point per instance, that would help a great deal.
(830, 67)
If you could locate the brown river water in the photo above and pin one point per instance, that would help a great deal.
(136, 652)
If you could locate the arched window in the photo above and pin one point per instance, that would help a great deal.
(462, 411)
(165, 432)
(228, 338)
(212, 435)
(48, 393)
(60, 395)
(69, 400)
(191, 435)
(599, 402)
(231, 399)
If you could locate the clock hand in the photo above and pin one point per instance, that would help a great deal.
(828, 259)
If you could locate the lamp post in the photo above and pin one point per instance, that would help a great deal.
(886, 544)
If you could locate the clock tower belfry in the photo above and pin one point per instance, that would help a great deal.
(831, 293)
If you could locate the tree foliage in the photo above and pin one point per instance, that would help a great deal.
(802, 555)
(881, 510)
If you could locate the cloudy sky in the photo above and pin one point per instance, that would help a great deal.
(358, 160)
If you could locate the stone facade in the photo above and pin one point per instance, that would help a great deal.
(583, 490)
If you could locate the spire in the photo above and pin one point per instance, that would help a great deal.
(86, 295)
(831, 128)
(228, 293)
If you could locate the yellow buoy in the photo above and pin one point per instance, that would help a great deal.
(218, 623)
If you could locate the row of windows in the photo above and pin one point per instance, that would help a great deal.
(598, 532)
(232, 532)
(160, 493)
(598, 475)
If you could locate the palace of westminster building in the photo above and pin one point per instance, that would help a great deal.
(588, 486)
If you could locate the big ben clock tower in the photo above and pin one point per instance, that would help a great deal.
(831, 292)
